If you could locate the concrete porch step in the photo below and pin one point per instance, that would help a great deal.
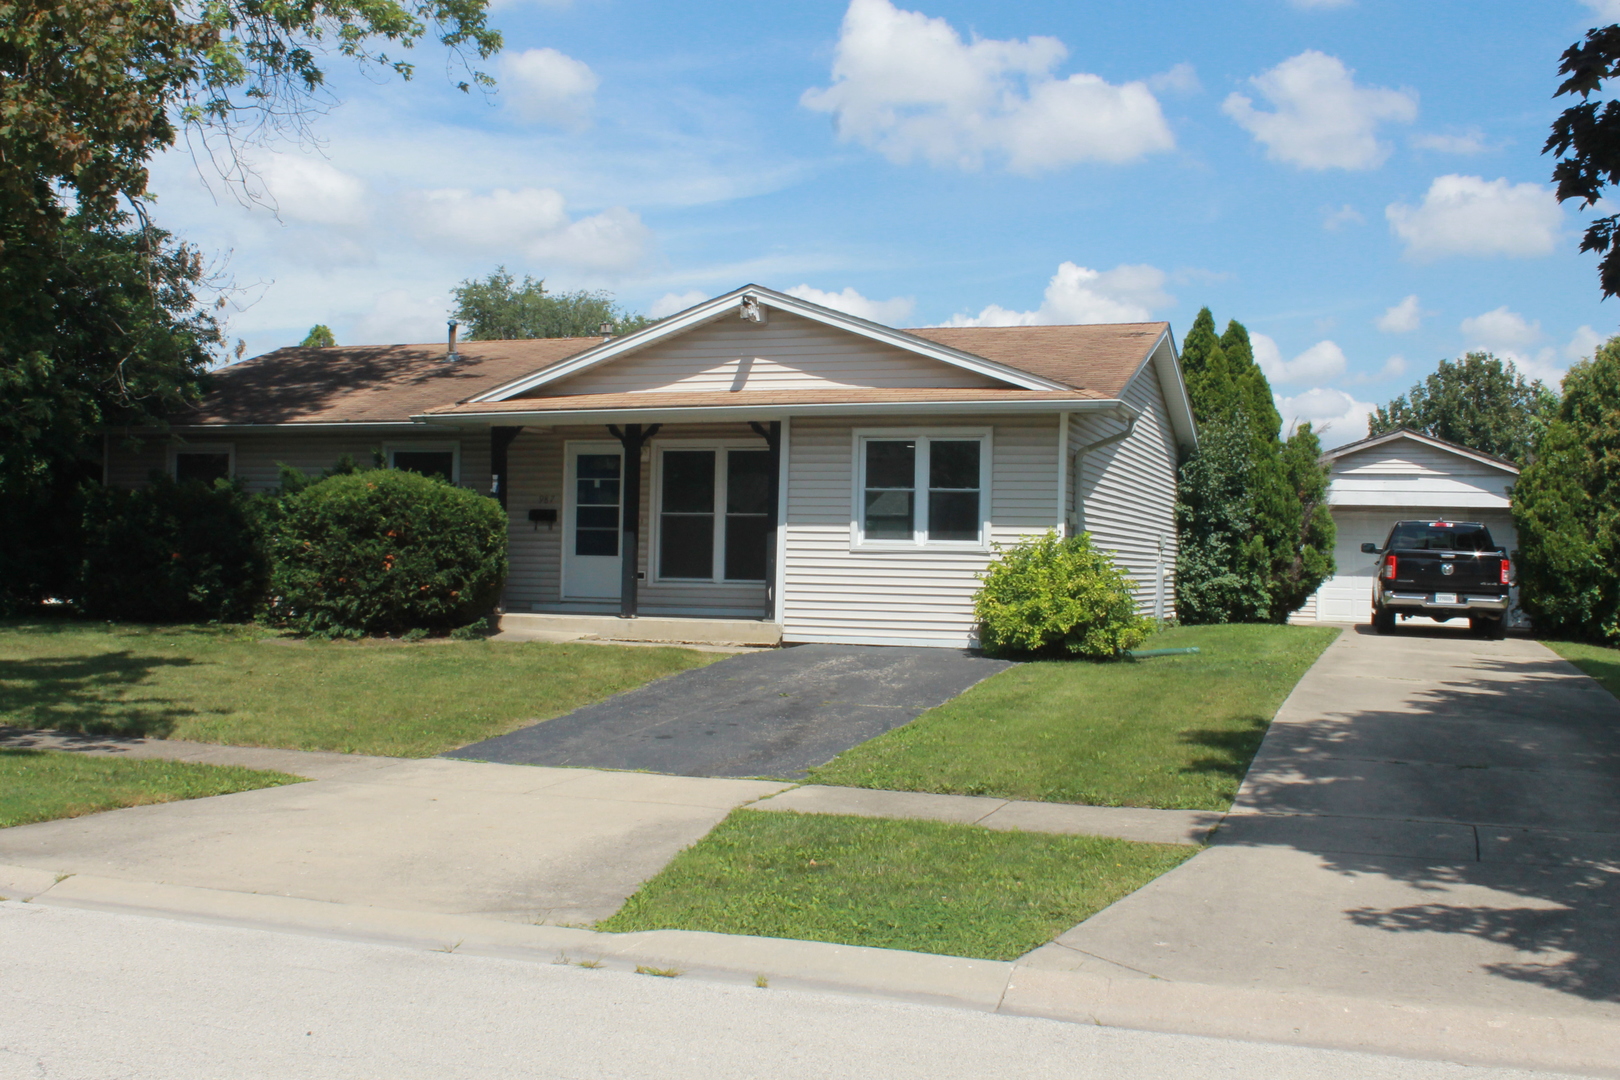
(755, 632)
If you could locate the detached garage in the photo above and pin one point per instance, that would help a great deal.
(1403, 474)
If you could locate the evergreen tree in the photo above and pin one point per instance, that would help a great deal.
(1478, 401)
(319, 337)
(1566, 506)
(1256, 538)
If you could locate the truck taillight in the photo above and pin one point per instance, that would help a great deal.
(1504, 571)
(1389, 568)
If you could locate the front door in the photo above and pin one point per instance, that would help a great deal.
(593, 504)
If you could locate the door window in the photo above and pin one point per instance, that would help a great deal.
(596, 504)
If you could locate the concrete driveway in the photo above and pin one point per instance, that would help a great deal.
(555, 846)
(1432, 819)
(777, 713)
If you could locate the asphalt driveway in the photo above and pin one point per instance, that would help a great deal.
(777, 713)
(1432, 819)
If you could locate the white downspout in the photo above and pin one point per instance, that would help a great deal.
(1124, 412)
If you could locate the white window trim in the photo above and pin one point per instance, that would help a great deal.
(656, 511)
(437, 446)
(918, 542)
(203, 448)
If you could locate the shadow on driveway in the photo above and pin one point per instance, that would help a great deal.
(777, 713)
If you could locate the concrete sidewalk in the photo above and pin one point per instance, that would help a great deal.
(1432, 819)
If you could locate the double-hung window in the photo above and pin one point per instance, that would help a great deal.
(922, 489)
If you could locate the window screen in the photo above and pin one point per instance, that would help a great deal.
(891, 492)
(686, 525)
(440, 463)
(748, 513)
(206, 466)
(953, 489)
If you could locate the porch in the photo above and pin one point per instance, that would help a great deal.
(754, 633)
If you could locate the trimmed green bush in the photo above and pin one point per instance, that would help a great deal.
(172, 552)
(1048, 594)
(385, 551)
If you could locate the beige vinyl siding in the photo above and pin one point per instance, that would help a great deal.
(1405, 472)
(922, 596)
(535, 464)
(1124, 494)
(258, 454)
(788, 352)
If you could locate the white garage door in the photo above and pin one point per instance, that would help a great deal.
(1347, 595)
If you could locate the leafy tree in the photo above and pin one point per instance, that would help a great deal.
(1478, 401)
(1566, 506)
(1256, 538)
(319, 337)
(99, 320)
(498, 308)
(1586, 138)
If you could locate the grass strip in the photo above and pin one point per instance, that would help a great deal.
(926, 886)
(1174, 732)
(246, 686)
(42, 785)
(1598, 661)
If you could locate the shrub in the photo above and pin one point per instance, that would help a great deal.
(385, 551)
(1566, 506)
(1049, 594)
(172, 552)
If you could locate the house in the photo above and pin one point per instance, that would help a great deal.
(1403, 474)
(823, 477)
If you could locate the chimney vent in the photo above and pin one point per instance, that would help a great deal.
(606, 329)
(450, 354)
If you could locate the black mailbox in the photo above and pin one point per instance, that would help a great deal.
(543, 514)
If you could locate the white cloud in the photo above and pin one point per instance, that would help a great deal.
(1586, 340)
(309, 189)
(892, 312)
(546, 86)
(1403, 318)
(1607, 11)
(1393, 368)
(1467, 215)
(670, 303)
(403, 316)
(1321, 118)
(1324, 360)
(1335, 416)
(1509, 336)
(1501, 330)
(1182, 78)
(908, 86)
(1471, 141)
(531, 221)
(1077, 294)
(1334, 220)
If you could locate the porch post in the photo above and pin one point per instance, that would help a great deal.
(632, 438)
(499, 439)
(773, 439)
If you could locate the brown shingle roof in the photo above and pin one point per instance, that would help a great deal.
(392, 383)
(374, 384)
(747, 398)
(1100, 356)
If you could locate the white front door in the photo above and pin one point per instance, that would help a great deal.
(593, 503)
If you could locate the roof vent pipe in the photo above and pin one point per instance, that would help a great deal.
(606, 329)
(450, 354)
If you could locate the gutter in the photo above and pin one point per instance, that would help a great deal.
(653, 414)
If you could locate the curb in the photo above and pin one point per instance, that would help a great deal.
(1038, 985)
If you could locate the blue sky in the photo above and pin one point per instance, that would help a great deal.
(1358, 181)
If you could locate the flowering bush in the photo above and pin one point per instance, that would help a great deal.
(1049, 594)
(385, 551)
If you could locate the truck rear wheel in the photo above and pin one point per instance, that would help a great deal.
(1383, 620)
(1488, 628)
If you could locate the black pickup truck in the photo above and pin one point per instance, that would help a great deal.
(1444, 570)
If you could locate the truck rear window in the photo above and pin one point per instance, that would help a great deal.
(1421, 536)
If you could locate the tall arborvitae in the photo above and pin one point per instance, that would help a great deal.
(1256, 538)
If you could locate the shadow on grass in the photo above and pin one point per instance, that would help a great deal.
(94, 694)
(1232, 750)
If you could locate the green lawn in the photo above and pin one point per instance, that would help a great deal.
(1598, 661)
(41, 785)
(1173, 732)
(249, 687)
(927, 886)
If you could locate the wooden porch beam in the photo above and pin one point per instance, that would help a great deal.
(632, 438)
